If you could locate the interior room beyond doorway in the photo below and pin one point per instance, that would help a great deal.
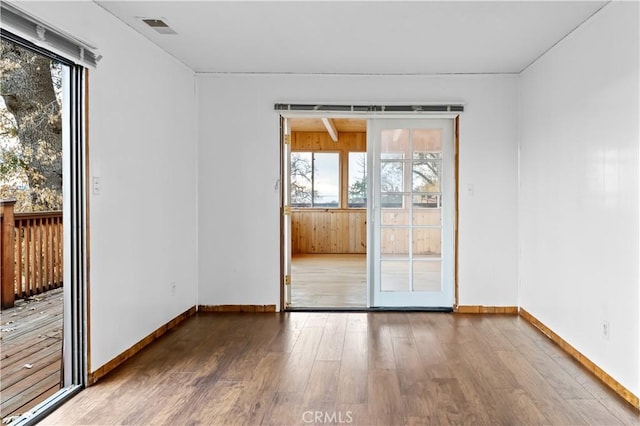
(329, 280)
(328, 213)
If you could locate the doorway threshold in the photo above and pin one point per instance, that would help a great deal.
(372, 309)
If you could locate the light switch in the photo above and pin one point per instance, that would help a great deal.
(95, 185)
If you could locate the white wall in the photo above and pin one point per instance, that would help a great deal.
(578, 204)
(578, 221)
(142, 123)
(239, 234)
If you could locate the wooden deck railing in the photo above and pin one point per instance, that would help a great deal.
(31, 251)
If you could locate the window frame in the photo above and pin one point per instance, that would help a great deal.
(313, 206)
(320, 142)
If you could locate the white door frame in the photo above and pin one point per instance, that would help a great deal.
(367, 116)
(444, 298)
(286, 211)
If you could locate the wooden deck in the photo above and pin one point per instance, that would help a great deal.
(31, 352)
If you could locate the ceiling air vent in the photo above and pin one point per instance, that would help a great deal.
(159, 25)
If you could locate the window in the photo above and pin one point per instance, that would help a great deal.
(357, 179)
(325, 173)
(315, 179)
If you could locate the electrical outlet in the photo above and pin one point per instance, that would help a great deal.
(605, 330)
(470, 189)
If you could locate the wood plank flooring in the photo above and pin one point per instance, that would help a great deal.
(329, 281)
(379, 368)
(31, 335)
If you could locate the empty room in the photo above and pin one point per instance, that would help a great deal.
(309, 212)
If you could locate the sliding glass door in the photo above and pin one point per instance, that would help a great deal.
(412, 217)
(43, 113)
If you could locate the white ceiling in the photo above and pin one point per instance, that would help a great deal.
(357, 37)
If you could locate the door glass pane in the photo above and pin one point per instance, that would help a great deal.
(427, 276)
(391, 176)
(395, 275)
(391, 156)
(394, 242)
(426, 176)
(395, 209)
(395, 217)
(426, 216)
(391, 201)
(395, 144)
(427, 140)
(357, 179)
(427, 201)
(427, 242)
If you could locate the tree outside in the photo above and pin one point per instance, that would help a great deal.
(425, 179)
(315, 179)
(357, 179)
(301, 170)
(30, 129)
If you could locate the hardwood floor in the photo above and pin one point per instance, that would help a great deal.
(31, 347)
(329, 281)
(351, 368)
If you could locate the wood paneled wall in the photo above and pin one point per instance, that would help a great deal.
(329, 231)
(336, 231)
(333, 231)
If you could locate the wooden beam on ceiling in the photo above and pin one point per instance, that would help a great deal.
(342, 125)
(331, 128)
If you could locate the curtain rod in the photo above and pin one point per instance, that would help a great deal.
(370, 108)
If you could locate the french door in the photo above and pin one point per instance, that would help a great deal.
(412, 212)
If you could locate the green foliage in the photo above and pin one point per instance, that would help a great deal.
(10, 163)
(358, 189)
